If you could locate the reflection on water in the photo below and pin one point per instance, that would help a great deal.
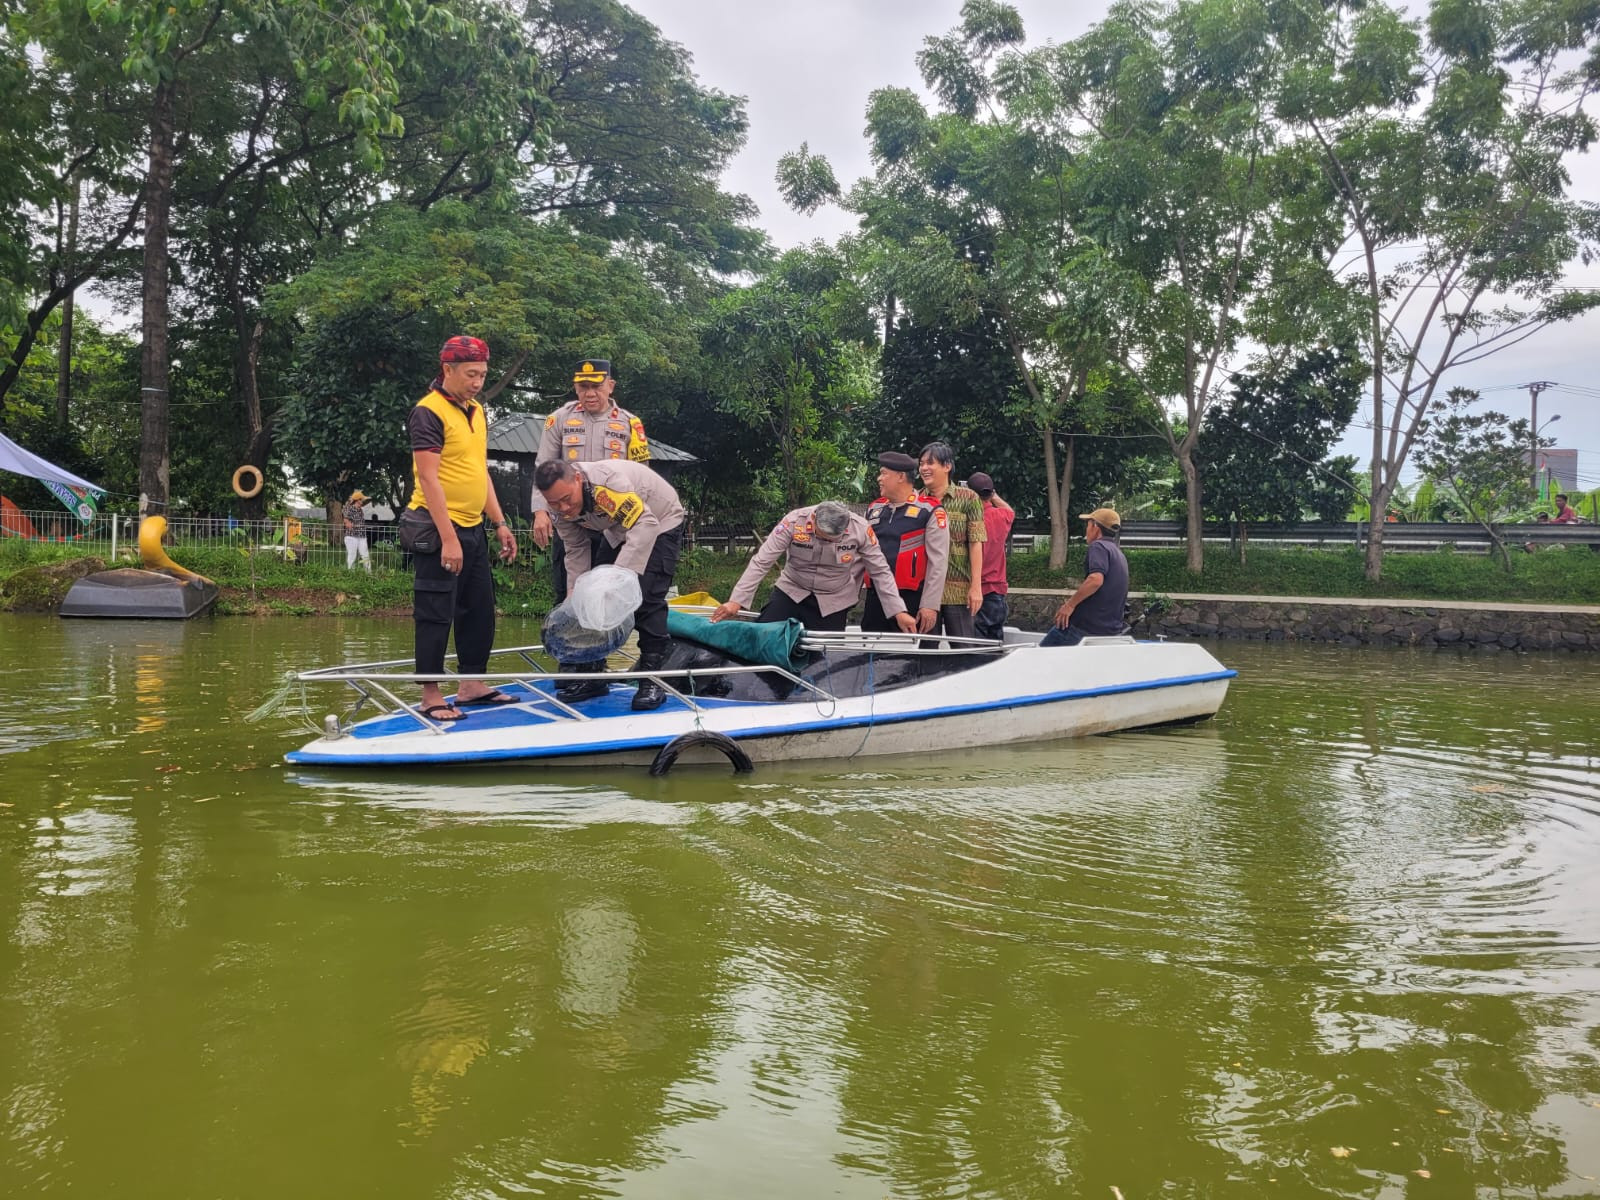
(1344, 940)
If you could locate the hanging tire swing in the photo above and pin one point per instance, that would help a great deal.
(246, 472)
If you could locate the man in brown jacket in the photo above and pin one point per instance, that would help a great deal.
(640, 520)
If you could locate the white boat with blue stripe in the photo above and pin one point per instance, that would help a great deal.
(838, 695)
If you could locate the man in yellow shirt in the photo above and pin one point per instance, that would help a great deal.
(453, 585)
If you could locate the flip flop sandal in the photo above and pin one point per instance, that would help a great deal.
(489, 699)
(433, 713)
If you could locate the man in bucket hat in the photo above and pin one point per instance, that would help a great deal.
(1096, 608)
(454, 587)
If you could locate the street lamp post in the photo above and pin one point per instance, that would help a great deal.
(1537, 430)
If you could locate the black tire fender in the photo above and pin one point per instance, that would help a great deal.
(668, 754)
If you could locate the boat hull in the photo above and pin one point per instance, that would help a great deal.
(1028, 695)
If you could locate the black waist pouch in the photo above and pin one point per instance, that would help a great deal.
(418, 534)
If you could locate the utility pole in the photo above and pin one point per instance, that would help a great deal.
(1533, 427)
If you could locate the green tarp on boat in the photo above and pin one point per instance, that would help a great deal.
(769, 643)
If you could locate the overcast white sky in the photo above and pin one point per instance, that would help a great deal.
(806, 71)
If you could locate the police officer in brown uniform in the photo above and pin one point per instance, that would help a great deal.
(915, 537)
(636, 514)
(588, 429)
(827, 550)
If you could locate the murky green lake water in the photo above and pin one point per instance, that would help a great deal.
(1342, 941)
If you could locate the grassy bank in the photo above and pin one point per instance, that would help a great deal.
(1550, 576)
(265, 584)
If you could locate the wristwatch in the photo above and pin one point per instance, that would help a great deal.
(501, 525)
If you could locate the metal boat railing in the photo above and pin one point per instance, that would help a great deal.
(374, 682)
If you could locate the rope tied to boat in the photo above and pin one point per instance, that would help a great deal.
(291, 688)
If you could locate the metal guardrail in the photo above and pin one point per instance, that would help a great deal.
(1403, 536)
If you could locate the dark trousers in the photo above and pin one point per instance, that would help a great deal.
(873, 619)
(440, 600)
(991, 619)
(955, 620)
(784, 607)
(651, 618)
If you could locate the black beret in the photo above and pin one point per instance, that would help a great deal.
(896, 461)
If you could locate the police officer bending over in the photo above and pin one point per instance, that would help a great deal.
(915, 537)
(826, 551)
(588, 429)
(638, 516)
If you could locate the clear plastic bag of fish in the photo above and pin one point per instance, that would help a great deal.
(596, 619)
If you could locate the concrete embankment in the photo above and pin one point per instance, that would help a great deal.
(1346, 622)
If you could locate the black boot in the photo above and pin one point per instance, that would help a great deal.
(651, 694)
(573, 691)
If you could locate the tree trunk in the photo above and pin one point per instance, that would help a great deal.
(1063, 503)
(335, 505)
(1058, 524)
(64, 351)
(1244, 542)
(1194, 521)
(246, 355)
(1376, 511)
(154, 362)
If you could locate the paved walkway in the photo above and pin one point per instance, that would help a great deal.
(1346, 601)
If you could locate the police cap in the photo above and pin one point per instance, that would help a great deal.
(896, 461)
(592, 370)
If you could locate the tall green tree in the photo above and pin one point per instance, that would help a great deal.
(1263, 448)
(793, 359)
(637, 146)
(344, 52)
(1481, 458)
(964, 224)
(1177, 185)
(540, 293)
(72, 135)
(1444, 142)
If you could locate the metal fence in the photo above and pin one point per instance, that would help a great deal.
(294, 540)
(320, 542)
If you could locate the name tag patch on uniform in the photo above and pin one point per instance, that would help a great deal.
(625, 508)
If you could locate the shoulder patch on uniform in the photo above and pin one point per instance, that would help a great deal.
(625, 508)
(938, 515)
(638, 443)
(549, 422)
(872, 537)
